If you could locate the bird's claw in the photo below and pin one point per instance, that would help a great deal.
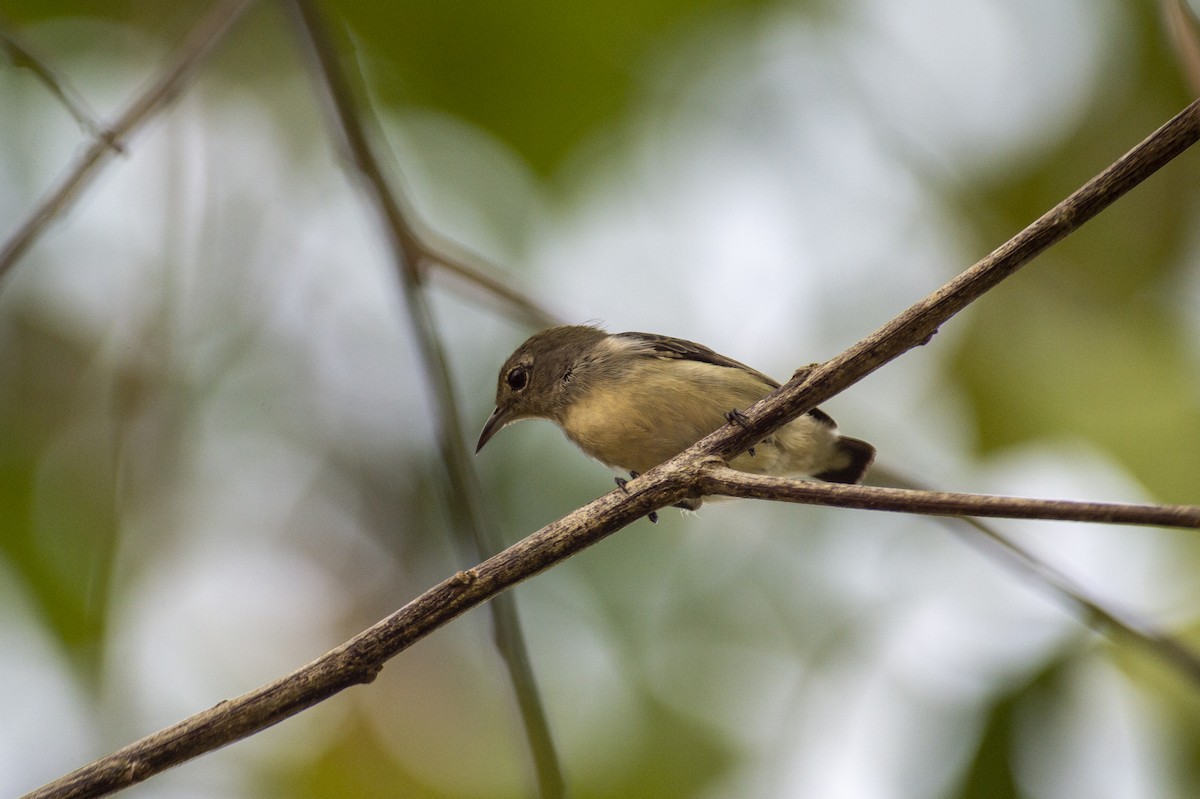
(622, 482)
(741, 420)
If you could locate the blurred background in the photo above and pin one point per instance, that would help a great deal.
(217, 446)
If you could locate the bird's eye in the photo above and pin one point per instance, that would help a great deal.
(517, 378)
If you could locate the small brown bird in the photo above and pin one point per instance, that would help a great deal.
(634, 400)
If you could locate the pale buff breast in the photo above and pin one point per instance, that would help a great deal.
(803, 447)
(661, 407)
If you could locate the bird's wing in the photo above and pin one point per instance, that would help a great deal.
(659, 346)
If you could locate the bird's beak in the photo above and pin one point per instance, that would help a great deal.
(499, 418)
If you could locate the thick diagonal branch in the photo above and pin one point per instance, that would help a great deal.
(918, 324)
(358, 659)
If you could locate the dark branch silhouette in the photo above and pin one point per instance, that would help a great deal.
(474, 534)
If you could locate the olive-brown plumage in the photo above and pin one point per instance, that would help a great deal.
(634, 400)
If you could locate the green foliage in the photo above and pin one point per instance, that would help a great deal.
(58, 520)
(541, 76)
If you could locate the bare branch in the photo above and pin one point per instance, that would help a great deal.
(468, 269)
(1184, 27)
(473, 533)
(359, 659)
(724, 481)
(198, 45)
(470, 276)
(918, 324)
(721, 480)
(1095, 614)
(420, 248)
(23, 56)
(681, 477)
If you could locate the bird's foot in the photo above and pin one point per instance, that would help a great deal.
(740, 419)
(622, 482)
(736, 417)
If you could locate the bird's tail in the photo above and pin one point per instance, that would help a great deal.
(852, 457)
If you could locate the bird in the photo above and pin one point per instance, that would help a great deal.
(634, 400)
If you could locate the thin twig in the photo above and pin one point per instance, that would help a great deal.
(422, 247)
(23, 56)
(467, 270)
(1184, 27)
(474, 535)
(958, 510)
(360, 658)
(199, 44)
(724, 481)
(1096, 614)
